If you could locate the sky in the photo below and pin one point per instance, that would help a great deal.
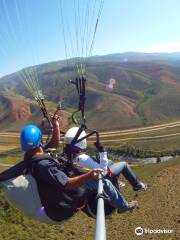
(39, 31)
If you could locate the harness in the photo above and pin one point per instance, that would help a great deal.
(59, 202)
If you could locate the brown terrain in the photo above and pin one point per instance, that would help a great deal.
(19, 111)
(119, 95)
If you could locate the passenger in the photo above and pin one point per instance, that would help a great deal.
(86, 161)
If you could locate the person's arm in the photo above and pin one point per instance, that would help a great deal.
(84, 161)
(49, 172)
(55, 139)
(84, 178)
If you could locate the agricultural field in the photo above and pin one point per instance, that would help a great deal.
(157, 138)
(163, 138)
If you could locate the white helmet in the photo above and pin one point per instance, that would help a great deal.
(71, 133)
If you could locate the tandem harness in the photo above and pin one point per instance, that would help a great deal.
(60, 203)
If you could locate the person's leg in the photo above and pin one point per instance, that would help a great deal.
(127, 172)
(92, 186)
(124, 169)
(116, 198)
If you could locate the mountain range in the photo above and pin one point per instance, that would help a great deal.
(124, 90)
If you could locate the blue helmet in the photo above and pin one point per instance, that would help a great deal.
(31, 137)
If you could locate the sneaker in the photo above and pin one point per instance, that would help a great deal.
(130, 207)
(121, 184)
(140, 187)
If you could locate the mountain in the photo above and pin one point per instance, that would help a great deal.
(138, 56)
(123, 90)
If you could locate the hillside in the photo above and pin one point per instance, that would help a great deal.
(15, 110)
(158, 210)
(139, 90)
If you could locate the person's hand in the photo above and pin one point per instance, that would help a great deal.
(45, 126)
(55, 120)
(94, 174)
(99, 146)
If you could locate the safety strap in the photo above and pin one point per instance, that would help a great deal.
(109, 172)
(103, 196)
(80, 84)
(75, 139)
(35, 159)
(83, 205)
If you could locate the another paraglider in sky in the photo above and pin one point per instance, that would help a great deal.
(111, 84)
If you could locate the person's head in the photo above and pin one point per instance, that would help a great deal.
(31, 138)
(70, 135)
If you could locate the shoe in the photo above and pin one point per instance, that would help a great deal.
(140, 187)
(130, 207)
(121, 184)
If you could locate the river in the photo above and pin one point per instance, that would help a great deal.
(132, 159)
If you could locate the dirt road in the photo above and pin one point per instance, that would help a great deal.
(119, 133)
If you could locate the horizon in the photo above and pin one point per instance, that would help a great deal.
(103, 55)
